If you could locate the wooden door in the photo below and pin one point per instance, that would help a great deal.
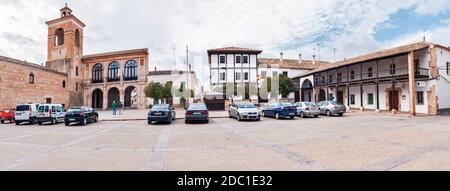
(340, 97)
(395, 99)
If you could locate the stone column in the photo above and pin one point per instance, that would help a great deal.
(105, 97)
(412, 84)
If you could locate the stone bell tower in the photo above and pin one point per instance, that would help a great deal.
(65, 50)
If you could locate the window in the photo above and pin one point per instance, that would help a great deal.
(238, 59)
(352, 75)
(222, 59)
(370, 99)
(285, 74)
(238, 76)
(352, 99)
(419, 98)
(275, 74)
(370, 72)
(330, 79)
(77, 38)
(246, 77)
(113, 71)
(76, 71)
(245, 59)
(323, 79)
(59, 37)
(97, 73)
(339, 77)
(64, 84)
(76, 86)
(448, 68)
(130, 72)
(222, 76)
(392, 69)
(31, 78)
(263, 74)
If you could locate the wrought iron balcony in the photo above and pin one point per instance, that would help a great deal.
(382, 74)
(116, 79)
(130, 78)
(97, 81)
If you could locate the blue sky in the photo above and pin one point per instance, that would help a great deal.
(352, 27)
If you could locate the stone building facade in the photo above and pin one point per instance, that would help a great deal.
(116, 76)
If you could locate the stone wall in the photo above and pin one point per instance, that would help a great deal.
(15, 87)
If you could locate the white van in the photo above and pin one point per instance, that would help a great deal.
(52, 113)
(26, 113)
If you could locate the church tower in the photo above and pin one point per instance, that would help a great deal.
(65, 50)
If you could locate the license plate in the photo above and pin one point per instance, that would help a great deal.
(197, 113)
(158, 113)
(291, 113)
(71, 119)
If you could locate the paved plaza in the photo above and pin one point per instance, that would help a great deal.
(358, 141)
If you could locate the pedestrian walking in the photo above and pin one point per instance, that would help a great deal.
(114, 108)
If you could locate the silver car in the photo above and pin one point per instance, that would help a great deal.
(307, 109)
(244, 111)
(330, 108)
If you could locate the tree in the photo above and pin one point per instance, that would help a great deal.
(286, 86)
(166, 92)
(153, 90)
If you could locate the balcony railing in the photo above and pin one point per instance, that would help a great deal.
(130, 78)
(97, 81)
(116, 79)
(389, 73)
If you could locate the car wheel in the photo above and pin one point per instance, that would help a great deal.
(229, 115)
(39, 123)
(53, 121)
(302, 115)
(207, 121)
(149, 122)
(84, 122)
(96, 119)
(277, 116)
(32, 121)
(239, 117)
(67, 123)
(341, 114)
(292, 117)
(2, 121)
(186, 122)
(263, 114)
(17, 123)
(170, 120)
(329, 113)
(258, 119)
(316, 116)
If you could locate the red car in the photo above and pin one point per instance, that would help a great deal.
(7, 115)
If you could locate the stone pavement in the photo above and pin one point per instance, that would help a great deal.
(134, 114)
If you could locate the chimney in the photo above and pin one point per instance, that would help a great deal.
(314, 59)
(300, 58)
(281, 57)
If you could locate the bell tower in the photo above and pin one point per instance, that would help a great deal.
(65, 50)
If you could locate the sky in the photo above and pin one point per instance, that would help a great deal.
(330, 29)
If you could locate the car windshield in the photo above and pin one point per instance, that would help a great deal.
(22, 108)
(197, 107)
(309, 104)
(335, 103)
(286, 104)
(160, 107)
(246, 106)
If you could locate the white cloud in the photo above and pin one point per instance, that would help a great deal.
(290, 26)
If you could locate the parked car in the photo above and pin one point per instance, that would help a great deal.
(53, 113)
(26, 113)
(161, 113)
(7, 115)
(280, 110)
(197, 112)
(307, 109)
(244, 111)
(330, 108)
(81, 115)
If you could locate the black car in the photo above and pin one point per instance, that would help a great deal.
(81, 115)
(197, 112)
(161, 113)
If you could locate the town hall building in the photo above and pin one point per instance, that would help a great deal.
(71, 78)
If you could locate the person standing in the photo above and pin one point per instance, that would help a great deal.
(120, 108)
(114, 107)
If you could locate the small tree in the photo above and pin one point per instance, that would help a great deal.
(153, 90)
(166, 92)
(286, 86)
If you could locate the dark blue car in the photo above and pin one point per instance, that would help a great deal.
(161, 113)
(280, 110)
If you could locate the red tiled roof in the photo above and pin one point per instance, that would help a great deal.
(234, 50)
